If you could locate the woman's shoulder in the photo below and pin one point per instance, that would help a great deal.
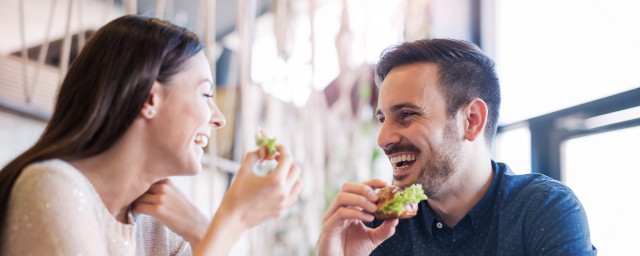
(51, 179)
(55, 165)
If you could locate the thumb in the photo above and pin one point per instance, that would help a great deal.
(248, 162)
(163, 181)
(383, 232)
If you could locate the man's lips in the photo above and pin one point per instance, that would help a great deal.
(403, 157)
(402, 163)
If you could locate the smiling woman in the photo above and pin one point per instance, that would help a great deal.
(135, 108)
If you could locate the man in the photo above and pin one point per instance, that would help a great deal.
(438, 104)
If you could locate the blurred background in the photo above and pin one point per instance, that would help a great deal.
(302, 71)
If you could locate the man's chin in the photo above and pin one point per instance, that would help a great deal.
(403, 180)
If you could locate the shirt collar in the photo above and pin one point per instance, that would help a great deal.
(425, 213)
(480, 214)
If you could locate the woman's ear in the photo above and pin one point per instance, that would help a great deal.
(150, 107)
(476, 119)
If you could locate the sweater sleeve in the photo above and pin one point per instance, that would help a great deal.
(157, 240)
(51, 212)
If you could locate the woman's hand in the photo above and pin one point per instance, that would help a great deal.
(251, 200)
(166, 203)
(256, 199)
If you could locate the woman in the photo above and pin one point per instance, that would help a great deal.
(135, 108)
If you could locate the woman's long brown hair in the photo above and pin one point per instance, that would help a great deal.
(103, 92)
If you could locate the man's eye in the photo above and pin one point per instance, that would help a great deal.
(407, 116)
(381, 119)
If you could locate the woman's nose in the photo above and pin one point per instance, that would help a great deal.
(217, 119)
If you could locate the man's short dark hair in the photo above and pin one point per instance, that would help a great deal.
(465, 73)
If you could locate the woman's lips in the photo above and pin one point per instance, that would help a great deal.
(202, 140)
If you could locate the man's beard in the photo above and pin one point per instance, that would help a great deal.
(442, 164)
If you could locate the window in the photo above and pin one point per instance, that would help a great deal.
(549, 52)
(602, 169)
(513, 147)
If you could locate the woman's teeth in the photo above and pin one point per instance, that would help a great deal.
(202, 140)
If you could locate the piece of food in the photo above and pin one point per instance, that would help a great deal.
(267, 145)
(393, 202)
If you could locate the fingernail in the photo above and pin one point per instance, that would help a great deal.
(372, 195)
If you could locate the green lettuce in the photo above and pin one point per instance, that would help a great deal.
(270, 143)
(411, 194)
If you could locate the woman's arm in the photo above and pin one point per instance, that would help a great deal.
(249, 201)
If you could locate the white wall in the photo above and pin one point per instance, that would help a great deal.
(451, 19)
(17, 134)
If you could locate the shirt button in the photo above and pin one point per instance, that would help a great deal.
(439, 224)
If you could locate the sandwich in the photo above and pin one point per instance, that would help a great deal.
(267, 145)
(394, 202)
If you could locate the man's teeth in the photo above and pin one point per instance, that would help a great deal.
(402, 158)
(202, 140)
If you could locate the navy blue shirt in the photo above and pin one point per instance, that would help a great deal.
(529, 214)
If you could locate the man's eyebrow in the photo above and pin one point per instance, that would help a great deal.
(400, 106)
(404, 106)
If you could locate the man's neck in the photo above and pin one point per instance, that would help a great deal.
(462, 191)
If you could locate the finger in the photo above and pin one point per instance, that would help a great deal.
(360, 189)
(149, 199)
(351, 200)
(263, 154)
(157, 188)
(383, 232)
(350, 214)
(295, 191)
(285, 160)
(293, 176)
(147, 209)
(375, 183)
(249, 160)
(163, 181)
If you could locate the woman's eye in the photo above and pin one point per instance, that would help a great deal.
(381, 119)
(207, 95)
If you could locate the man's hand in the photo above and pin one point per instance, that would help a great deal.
(343, 230)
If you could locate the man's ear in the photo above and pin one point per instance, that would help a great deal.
(150, 107)
(475, 119)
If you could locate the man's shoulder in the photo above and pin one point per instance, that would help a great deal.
(532, 189)
(534, 183)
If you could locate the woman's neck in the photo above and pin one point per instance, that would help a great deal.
(118, 175)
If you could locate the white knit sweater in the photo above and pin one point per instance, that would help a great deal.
(55, 210)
